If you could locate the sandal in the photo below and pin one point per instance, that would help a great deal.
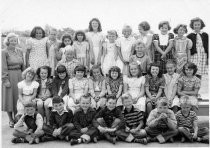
(11, 124)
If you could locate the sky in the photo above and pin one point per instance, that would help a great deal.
(113, 14)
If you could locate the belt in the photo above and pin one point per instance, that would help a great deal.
(14, 68)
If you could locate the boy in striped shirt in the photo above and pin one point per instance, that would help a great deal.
(134, 120)
(187, 122)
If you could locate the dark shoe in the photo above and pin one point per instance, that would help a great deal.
(142, 141)
(204, 140)
(171, 140)
(11, 124)
(74, 142)
(67, 138)
(47, 138)
(18, 140)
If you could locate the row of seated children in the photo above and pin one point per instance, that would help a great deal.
(110, 123)
(144, 89)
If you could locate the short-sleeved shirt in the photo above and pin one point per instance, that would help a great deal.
(114, 84)
(81, 48)
(186, 121)
(154, 84)
(189, 84)
(28, 89)
(125, 44)
(143, 61)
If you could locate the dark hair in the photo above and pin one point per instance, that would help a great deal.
(139, 69)
(57, 99)
(115, 69)
(196, 20)
(112, 96)
(44, 67)
(61, 69)
(164, 23)
(190, 65)
(99, 25)
(156, 64)
(80, 68)
(163, 101)
(86, 96)
(30, 104)
(95, 67)
(33, 32)
(68, 36)
(80, 33)
(145, 25)
(178, 26)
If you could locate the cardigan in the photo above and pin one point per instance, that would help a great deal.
(205, 40)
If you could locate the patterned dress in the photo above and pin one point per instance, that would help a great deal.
(81, 52)
(114, 84)
(200, 57)
(12, 67)
(182, 46)
(38, 52)
(163, 43)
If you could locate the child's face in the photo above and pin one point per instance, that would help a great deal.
(140, 49)
(181, 31)
(162, 109)
(111, 37)
(141, 30)
(43, 73)
(52, 35)
(69, 55)
(95, 25)
(134, 70)
(170, 68)
(58, 106)
(111, 104)
(114, 75)
(154, 71)
(96, 73)
(29, 111)
(38, 34)
(79, 74)
(189, 72)
(80, 37)
(185, 108)
(29, 76)
(197, 26)
(67, 41)
(62, 75)
(164, 29)
(13, 41)
(126, 33)
(85, 103)
(128, 103)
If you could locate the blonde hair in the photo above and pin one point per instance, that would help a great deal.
(139, 43)
(163, 101)
(29, 69)
(126, 27)
(9, 36)
(126, 96)
(184, 100)
(113, 32)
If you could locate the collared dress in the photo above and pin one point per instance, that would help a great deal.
(163, 43)
(182, 47)
(125, 44)
(12, 67)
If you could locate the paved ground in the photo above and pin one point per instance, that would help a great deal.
(7, 135)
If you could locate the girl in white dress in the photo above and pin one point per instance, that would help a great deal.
(134, 85)
(37, 52)
(95, 39)
(124, 45)
(109, 52)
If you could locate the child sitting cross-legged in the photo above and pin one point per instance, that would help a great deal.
(28, 129)
(83, 122)
(109, 120)
(187, 121)
(134, 121)
(60, 122)
(161, 123)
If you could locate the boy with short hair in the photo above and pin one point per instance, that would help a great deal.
(161, 123)
(109, 120)
(60, 122)
(83, 122)
(134, 122)
(187, 121)
(29, 126)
